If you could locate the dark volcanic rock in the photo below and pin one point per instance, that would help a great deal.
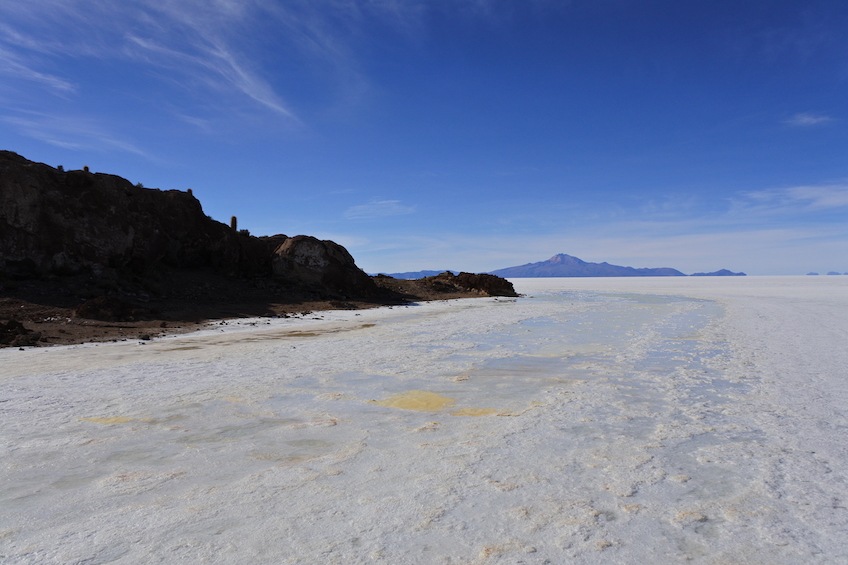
(492, 285)
(305, 259)
(484, 284)
(78, 223)
(70, 222)
(444, 286)
(563, 265)
(13, 333)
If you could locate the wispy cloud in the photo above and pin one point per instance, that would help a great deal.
(13, 65)
(214, 65)
(377, 209)
(194, 39)
(70, 133)
(216, 51)
(792, 200)
(806, 119)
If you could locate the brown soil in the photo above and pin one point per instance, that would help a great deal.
(64, 311)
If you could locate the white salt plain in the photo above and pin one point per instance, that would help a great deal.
(659, 420)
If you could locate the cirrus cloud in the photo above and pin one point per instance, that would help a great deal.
(807, 119)
(377, 209)
(795, 199)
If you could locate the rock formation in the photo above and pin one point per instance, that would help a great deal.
(447, 285)
(486, 284)
(305, 259)
(56, 222)
(63, 223)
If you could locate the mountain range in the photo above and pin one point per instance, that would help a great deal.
(563, 265)
(419, 274)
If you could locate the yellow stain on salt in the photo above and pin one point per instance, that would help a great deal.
(110, 420)
(425, 401)
(474, 412)
(420, 400)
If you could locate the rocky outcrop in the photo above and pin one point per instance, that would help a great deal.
(59, 222)
(56, 223)
(482, 284)
(305, 259)
(14, 334)
(490, 285)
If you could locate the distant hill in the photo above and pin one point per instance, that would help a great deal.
(563, 265)
(721, 273)
(419, 274)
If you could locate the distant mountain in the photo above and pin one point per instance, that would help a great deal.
(563, 265)
(419, 274)
(721, 273)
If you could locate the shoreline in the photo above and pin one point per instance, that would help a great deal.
(47, 310)
(51, 322)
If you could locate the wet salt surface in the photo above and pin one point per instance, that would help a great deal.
(593, 421)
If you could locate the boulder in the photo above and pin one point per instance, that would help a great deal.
(324, 265)
(13, 333)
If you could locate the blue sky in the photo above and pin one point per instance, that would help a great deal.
(462, 134)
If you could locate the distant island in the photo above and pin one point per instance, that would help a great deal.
(563, 265)
(719, 273)
(418, 274)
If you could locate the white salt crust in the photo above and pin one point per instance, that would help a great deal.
(645, 420)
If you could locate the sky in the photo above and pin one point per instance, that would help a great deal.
(459, 134)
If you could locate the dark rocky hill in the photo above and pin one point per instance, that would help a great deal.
(447, 285)
(79, 223)
(92, 246)
(563, 265)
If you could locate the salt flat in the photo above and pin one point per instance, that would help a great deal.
(645, 420)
